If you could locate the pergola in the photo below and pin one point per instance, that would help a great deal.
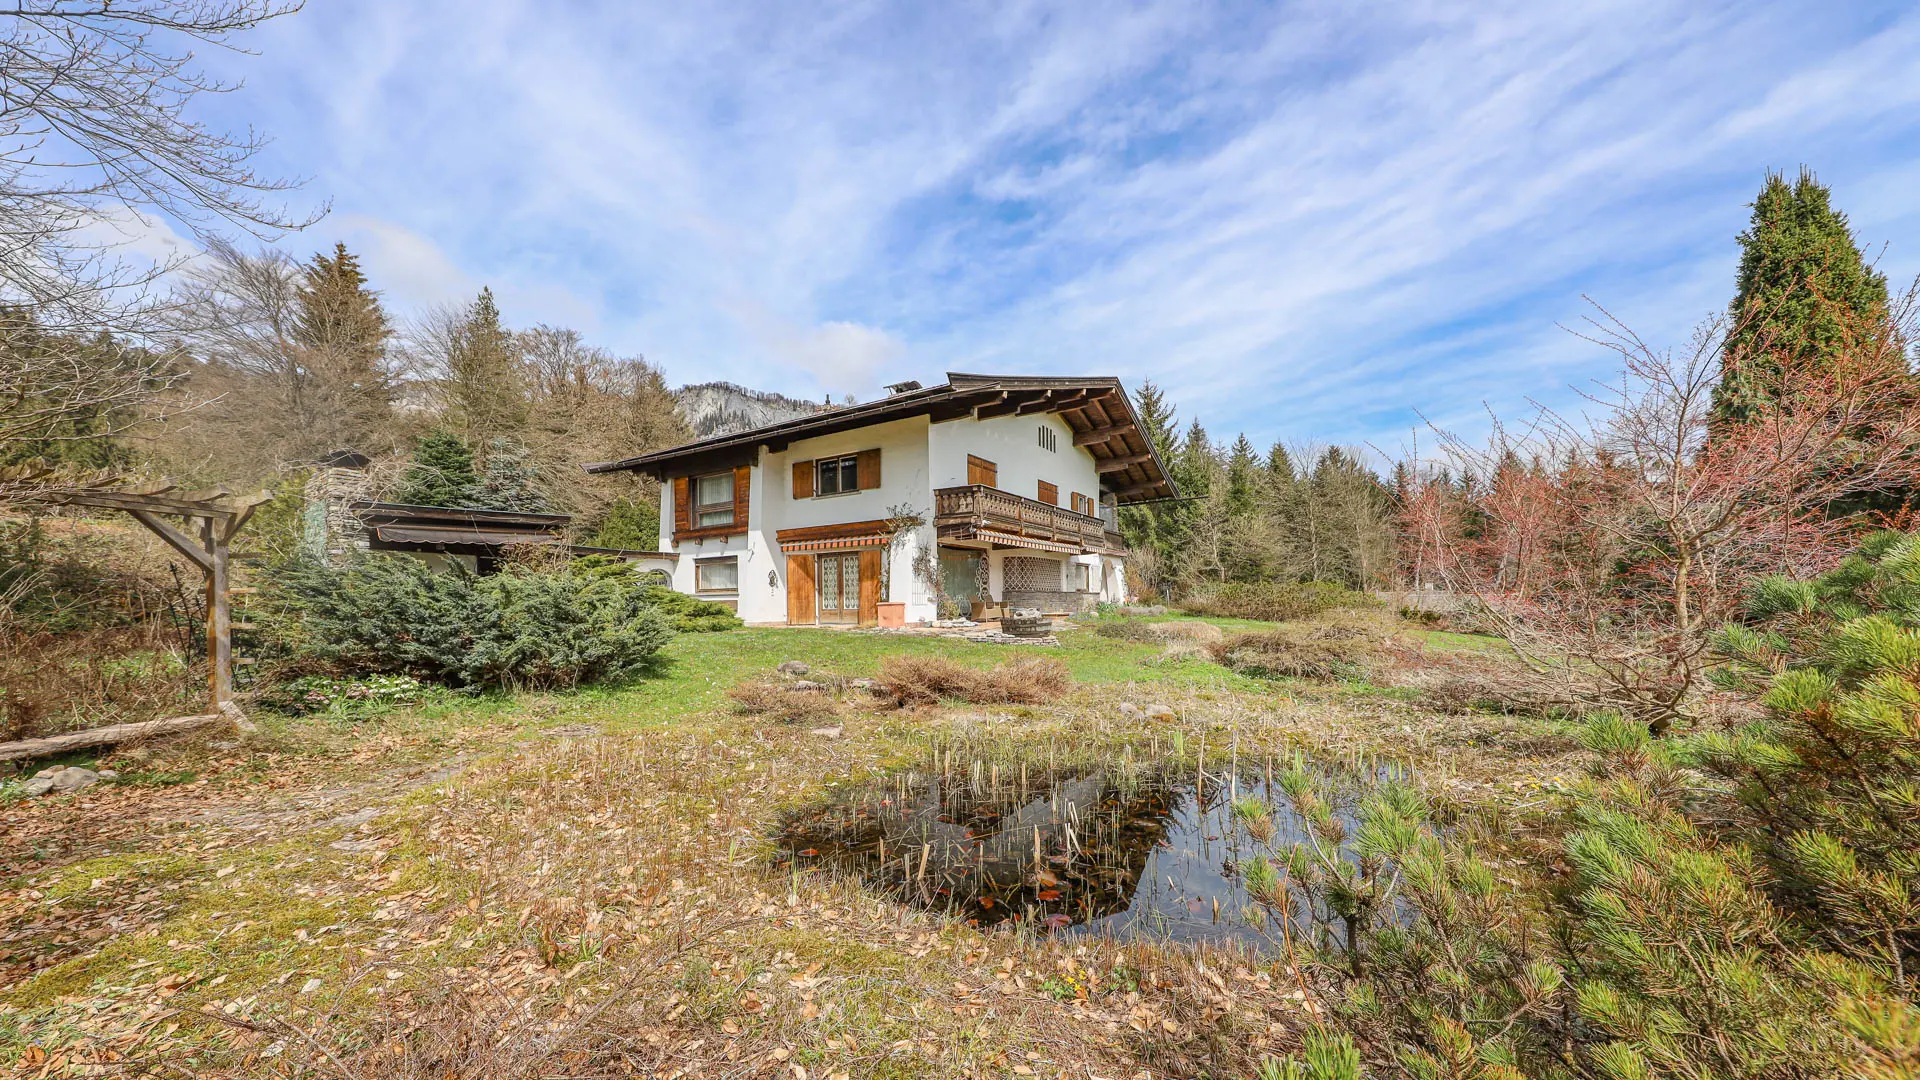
(210, 519)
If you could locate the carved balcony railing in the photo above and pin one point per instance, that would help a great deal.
(978, 512)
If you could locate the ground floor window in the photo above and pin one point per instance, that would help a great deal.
(717, 575)
(1082, 577)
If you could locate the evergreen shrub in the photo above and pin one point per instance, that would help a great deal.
(522, 627)
(1739, 903)
(690, 614)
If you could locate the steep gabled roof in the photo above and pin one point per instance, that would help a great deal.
(1096, 408)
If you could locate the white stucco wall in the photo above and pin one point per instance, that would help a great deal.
(1013, 444)
(904, 481)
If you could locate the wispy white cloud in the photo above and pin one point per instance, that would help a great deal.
(1307, 220)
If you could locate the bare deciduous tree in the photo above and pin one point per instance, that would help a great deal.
(97, 127)
(1607, 552)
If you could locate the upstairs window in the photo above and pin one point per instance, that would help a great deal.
(713, 500)
(1049, 494)
(837, 475)
(1049, 439)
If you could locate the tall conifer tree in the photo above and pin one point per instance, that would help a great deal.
(1153, 531)
(340, 337)
(1805, 293)
(486, 384)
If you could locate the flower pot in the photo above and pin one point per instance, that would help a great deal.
(893, 613)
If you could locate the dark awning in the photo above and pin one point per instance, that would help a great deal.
(399, 534)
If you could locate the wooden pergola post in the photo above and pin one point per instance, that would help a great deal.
(216, 519)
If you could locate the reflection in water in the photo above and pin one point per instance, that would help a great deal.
(1125, 852)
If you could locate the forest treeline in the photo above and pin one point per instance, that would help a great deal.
(266, 364)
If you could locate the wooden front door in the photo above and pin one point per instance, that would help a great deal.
(800, 590)
(836, 578)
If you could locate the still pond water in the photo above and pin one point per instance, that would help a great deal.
(1129, 853)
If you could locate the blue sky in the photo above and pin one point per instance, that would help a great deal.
(1306, 220)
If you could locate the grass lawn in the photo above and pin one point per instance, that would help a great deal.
(583, 884)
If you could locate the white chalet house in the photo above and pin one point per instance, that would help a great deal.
(1014, 479)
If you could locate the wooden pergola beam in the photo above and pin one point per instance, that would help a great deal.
(216, 519)
(175, 539)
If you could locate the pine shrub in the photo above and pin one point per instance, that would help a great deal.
(1741, 903)
(522, 627)
(690, 614)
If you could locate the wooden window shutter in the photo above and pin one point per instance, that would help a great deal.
(982, 471)
(803, 479)
(1049, 494)
(742, 485)
(682, 505)
(869, 467)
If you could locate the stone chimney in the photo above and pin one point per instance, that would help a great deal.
(331, 531)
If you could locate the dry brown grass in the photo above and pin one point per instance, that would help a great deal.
(51, 683)
(929, 680)
(778, 701)
(1198, 632)
(1312, 651)
(604, 905)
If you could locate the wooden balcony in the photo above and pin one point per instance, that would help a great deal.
(979, 512)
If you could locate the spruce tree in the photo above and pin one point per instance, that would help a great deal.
(630, 524)
(1284, 504)
(486, 384)
(1805, 293)
(341, 333)
(509, 480)
(441, 474)
(1153, 532)
(1243, 477)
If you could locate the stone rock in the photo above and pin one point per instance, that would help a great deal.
(827, 732)
(807, 684)
(1159, 712)
(863, 684)
(1131, 711)
(39, 785)
(109, 774)
(794, 667)
(74, 779)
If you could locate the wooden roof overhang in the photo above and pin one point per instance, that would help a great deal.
(1096, 408)
(458, 530)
